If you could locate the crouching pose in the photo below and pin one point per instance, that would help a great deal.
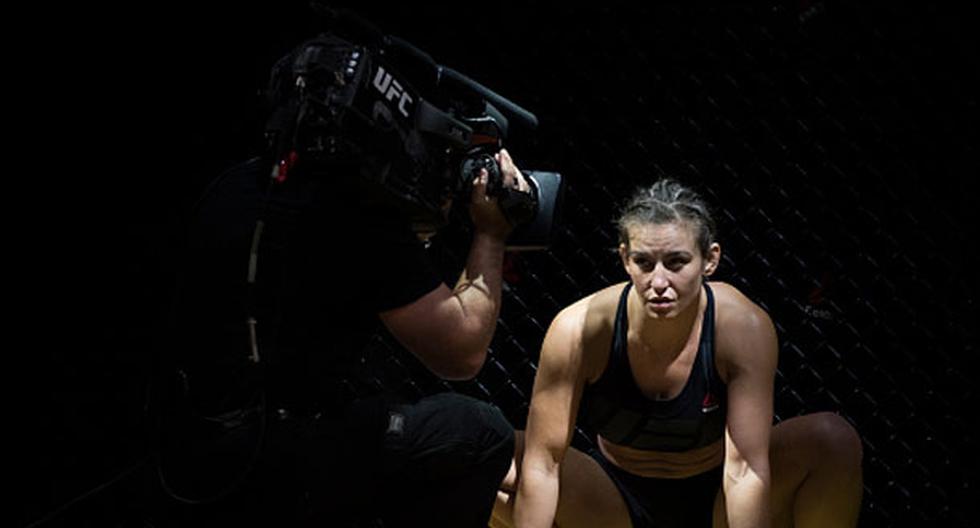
(675, 375)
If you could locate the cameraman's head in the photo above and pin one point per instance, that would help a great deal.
(341, 111)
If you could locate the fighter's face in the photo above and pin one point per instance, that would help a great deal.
(666, 266)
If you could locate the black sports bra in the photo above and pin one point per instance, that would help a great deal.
(615, 408)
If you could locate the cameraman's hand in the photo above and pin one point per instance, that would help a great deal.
(486, 214)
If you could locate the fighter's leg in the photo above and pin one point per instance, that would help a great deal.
(587, 496)
(815, 464)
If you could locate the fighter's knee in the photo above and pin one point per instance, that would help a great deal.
(513, 476)
(518, 444)
(837, 437)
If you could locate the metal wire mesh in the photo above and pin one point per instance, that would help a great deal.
(808, 128)
(837, 142)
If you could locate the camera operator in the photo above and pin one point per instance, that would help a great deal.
(267, 421)
(449, 330)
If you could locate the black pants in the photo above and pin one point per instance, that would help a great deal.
(662, 502)
(442, 461)
(435, 462)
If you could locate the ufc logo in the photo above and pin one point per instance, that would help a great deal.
(391, 90)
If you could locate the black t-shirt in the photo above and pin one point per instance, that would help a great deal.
(327, 264)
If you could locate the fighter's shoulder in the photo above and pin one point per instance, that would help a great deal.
(588, 322)
(584, 328)
(591, 313)
(731, 305)
(741, 325)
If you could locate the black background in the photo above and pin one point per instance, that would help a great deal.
(838, 142)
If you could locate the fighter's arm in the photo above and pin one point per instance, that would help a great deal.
(551, 420)
(449, 329)
(750, 352)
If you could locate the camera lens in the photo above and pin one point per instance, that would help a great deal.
(471, 169)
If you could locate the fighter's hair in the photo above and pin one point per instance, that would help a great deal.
(664, 202)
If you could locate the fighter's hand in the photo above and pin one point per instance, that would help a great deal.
(486, 214)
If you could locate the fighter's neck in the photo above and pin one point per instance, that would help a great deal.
(665, 335)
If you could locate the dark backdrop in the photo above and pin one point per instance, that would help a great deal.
(837, 142)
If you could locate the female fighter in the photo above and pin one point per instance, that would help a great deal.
(675, 374)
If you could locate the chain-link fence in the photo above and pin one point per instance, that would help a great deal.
(836, 148)
(837, 142)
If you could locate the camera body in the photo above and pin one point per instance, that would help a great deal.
(533, 213)
(414, 133)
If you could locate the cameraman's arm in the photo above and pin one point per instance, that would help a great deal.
(449, 330)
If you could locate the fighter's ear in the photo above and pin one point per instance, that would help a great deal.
(712, 260)
(624, 254)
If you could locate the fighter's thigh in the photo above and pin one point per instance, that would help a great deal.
(587, 496)
(790, 457)
(792, 454)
